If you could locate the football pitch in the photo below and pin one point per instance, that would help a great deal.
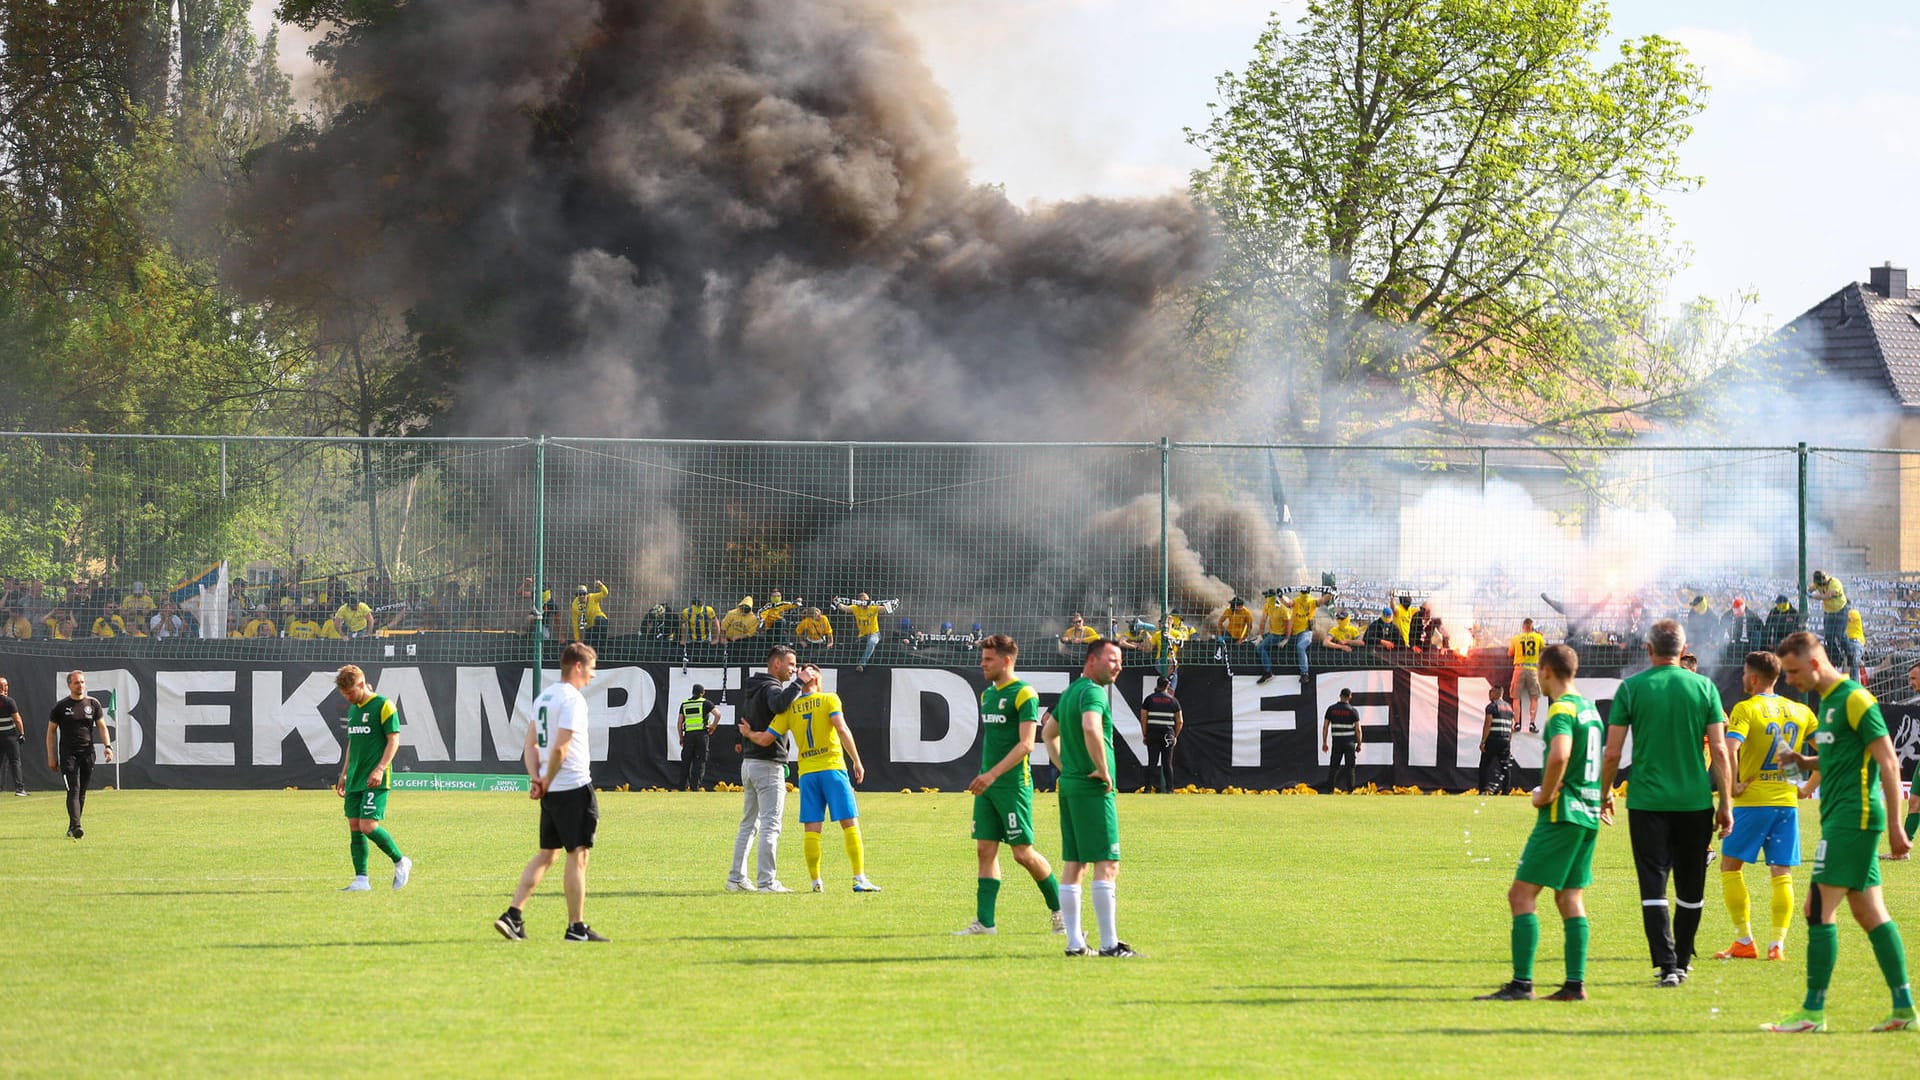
(198, 933)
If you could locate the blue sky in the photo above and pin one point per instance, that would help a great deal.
(1810, 149)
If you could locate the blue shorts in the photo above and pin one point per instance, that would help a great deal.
(1775, 828)
(826, 794)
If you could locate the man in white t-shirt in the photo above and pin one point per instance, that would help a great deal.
(568, 809)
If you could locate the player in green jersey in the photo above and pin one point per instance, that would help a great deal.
(1854, 755)
(373, 735)
(1089, 824)
(1559, 853)
(1003, 792)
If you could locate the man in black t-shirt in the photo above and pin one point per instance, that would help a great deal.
(1496, 743)
(13, 735)
(1340, 737)
(1160, 725)
(75, 722)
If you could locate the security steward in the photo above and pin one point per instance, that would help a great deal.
(696, 729)
(1161, 722)
(1340, 739)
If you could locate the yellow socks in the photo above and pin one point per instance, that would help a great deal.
(856, 851)
(1782, 907)
(812, 844)
(1739, 905)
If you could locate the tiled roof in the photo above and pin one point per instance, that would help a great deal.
(1860, 333)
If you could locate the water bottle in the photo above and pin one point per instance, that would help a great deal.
(1788, 771)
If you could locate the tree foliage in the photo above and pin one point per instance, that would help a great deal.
(1439, 216)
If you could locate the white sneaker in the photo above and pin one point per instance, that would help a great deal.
(817, 887)
(401, 871)
(741, 886)
(1058, 921)
(861, 884)
(358, 884)
(775, 887)
(976, 927)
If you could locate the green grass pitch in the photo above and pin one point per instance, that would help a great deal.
(198, 933)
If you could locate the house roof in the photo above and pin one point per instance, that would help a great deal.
(1862, 333)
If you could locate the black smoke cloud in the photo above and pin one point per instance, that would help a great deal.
(709, 218)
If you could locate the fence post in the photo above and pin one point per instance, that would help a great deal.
(223, 468)
(1801, 584)
(1483, 472)
(539, 558)
(1166, 471)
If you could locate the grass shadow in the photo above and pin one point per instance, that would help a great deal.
(817, 961)
(345, 944)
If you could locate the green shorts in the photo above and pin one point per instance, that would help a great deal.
(1558, 856)
(1089, 824)
(370, 805)
(1004, 814)
(1848, 858)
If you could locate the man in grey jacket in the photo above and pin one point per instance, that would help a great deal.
(763, 769)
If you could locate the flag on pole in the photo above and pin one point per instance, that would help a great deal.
(205, 596)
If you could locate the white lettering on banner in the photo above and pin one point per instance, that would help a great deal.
(419, 727)
(1047, 684)
(910, 685)
(128, 737)
(1472, 722)
(604, 716)
(1376, 747)
(172, 716)
(275, 718)
(1423, 722)
(478, 702)
(1252, 717)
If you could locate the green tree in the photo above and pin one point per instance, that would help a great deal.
(1437, 216)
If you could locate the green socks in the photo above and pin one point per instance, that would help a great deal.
(1913, 819)
(1526, 942)
(1576, 949)
(359, 848)
(1892, 954)
(1823, 950)
(383, 840)
(1050, 888)
(984, 902)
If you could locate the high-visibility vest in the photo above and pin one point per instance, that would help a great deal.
(693, 714)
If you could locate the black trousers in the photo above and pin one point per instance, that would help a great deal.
(1160, 757)
(693, 763)
(1493, 766)
(76, 768)
(11, 774)
(1345, 749)
(1671, 841)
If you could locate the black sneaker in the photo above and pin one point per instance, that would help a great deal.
(1671, 978)
(511, 927)
(1079, 952)
(1571, 991)
(1513, 991)
(76, 832)
(1264, 679)
(582, 932)
(1120, 949)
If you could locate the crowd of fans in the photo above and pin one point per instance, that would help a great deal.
(1291, 628)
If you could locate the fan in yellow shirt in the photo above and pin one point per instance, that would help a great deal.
(815, 629)
(866, 622)
(1524, 653)
(1765, 803)
(740, 623)
(776, 610)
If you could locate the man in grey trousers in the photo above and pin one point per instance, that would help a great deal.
(763, 769)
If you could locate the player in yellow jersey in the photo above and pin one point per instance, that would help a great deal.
(1765, 804)
(826, 748)
(1524, 651)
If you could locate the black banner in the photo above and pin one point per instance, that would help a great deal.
(267, 724)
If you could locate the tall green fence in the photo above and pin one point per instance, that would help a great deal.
(475, 548)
